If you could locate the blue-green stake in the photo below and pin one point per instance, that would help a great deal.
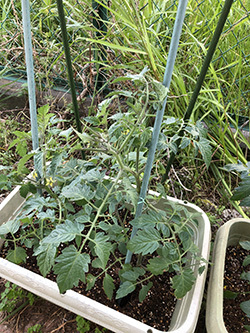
(160, 112)
(30, 72)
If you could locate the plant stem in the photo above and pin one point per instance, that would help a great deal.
(98, 213)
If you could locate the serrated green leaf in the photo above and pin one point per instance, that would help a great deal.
(17, 256)
(102, 248)
(55, 162)
(245, 307)
(205, 150)
(108, 286)
(45, 257)
(49, 214)
(91, 279)
(10, 226)
(65, 232)
(183, 282)
(144, 291)
(77, 192)
(185, 142)
(149, 220)
(35, 203)
(145, 241)
(93, 175)
(125, 289)
(21, 164)
(133, 274)
(158, 265)
(70, 267)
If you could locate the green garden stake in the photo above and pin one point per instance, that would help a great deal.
(30, 76)
(203, 72)
(69, 65)
(160, 112)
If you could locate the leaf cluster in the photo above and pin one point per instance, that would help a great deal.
(78, 221)
(242, 191)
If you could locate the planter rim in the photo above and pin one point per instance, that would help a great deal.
(229, 234)
(94, 311)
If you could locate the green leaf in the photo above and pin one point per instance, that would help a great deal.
(245, 202)
(243, 190)
(158, 265)
(84, 137)
(246, 261)
(83, 325)
(144, 291)
(66, 133)
(229, 294)
(108, 286)
(245, 276)
(245, 307)
(102, 248)
(55, 162)
(91, 279)
(125, 289)
(247, 327)
(26, 189)
(201, 269)
(21, 164)
(45, 257)
(10, 226)
(35, 203)
(160, 89)
(77, 192)
(205, 150)
(183, 283)
(185, 142)
(17, 256)
(115, 46)
(145, 241)
(70, 267)
(133, 274)
(49, 214)
(65, 232)
(245, 245)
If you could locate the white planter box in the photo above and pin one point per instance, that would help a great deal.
(187, 309)
(231, 233)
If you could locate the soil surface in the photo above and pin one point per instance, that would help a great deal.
(235, 319)
(156, 310)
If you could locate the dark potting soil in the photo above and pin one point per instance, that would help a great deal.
(156, 310)
(234, 318)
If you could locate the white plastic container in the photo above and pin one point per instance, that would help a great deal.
(186, 311)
